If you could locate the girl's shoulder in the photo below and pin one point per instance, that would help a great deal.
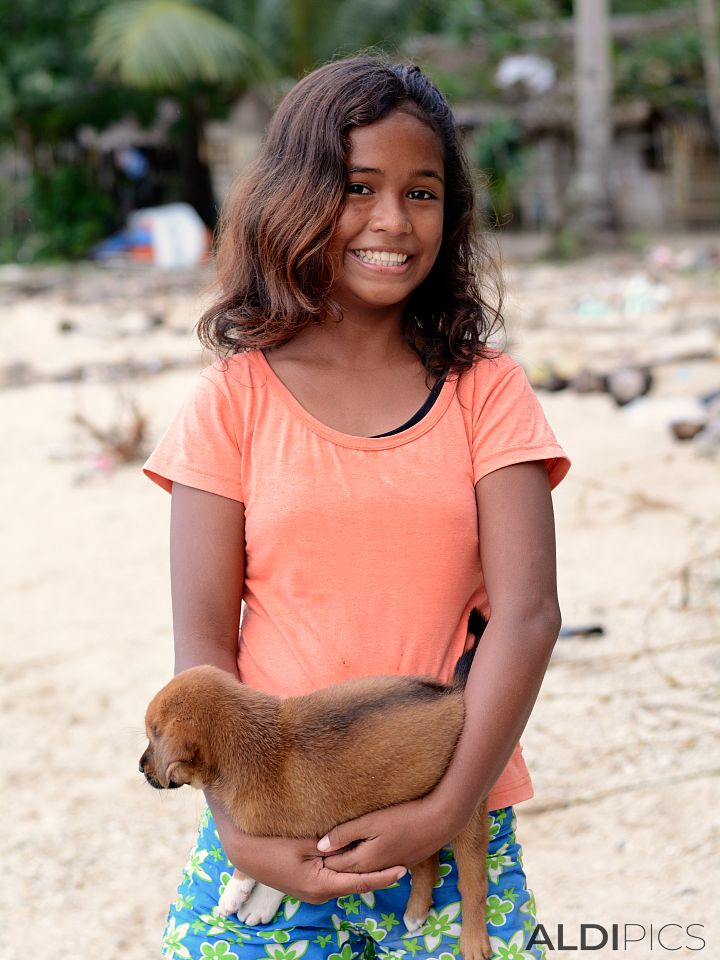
(235, 371)
(488, 372)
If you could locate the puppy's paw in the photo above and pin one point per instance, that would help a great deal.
(234, 895)
(413, 922)
(261, 906)
(475, 945)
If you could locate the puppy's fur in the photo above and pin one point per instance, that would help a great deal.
(299, 766)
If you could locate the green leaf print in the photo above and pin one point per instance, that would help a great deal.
(529, 906)
(292, 952)
(290, 906)
(217, 951)
(183, 902)
(445, 869)
(277, 936)
(497, 909)
(345, 954)
(198, 926)
(388, 921)
(217, 854)
(496, 863)
(441, 924)
(217, 924)
(194, 866)
(322, 941)
(374, 929)
(341, 927)
(510, 894)
(512, 949)
(349, 904)
(172, 945)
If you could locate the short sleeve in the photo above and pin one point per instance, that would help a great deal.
(200, 448)
(508, 423)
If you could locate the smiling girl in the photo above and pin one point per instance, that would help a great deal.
(353, 475)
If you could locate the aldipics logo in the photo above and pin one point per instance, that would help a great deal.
(620, 936)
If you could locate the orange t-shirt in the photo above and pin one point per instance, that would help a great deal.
(361, 552)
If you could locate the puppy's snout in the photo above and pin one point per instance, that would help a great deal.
(146, 769)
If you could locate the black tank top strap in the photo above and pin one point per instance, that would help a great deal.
(416, 417)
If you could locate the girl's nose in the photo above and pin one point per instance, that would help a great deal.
(390, 217)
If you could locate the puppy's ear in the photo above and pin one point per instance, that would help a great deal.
(178, 756)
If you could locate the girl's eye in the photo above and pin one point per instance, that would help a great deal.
(421, 195)
(359, 189)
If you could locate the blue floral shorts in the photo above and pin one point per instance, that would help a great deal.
(354, 927)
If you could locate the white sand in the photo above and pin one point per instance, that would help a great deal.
(623, 743)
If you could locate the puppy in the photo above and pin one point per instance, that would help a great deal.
(299, 766)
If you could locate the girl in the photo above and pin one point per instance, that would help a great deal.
(360, 469)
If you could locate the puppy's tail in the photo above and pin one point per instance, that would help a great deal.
(476, 626)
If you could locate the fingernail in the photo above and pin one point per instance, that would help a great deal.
(402, 873)
(324, 844)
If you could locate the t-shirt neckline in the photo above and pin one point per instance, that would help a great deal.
(349, 440)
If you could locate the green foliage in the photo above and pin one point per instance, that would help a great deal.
(619, 7)
(166, 44)
(566, 244)
(48, 87)
(67, 214)
(498, 153)
(299, 34)
(665, 68)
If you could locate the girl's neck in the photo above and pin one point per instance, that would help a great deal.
(354, 342)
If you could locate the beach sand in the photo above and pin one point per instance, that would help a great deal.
(623, 743)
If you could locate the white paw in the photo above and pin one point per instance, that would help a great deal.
(261, 906)
(234, 895)
(413, 924)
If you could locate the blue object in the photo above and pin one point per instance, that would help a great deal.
(355, 926)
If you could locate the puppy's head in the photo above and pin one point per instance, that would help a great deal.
(178, 725)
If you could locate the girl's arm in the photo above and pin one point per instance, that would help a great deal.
(207, 574)
(207, 566)
(517, 547)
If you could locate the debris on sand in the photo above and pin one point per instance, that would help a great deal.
(124, 441)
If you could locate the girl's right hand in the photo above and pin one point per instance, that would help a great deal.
(294, 866)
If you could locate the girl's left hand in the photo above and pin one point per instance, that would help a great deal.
(402, 835)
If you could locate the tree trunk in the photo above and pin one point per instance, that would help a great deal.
(300, 34)
(195, 175)
(708, 21)
(589, 208)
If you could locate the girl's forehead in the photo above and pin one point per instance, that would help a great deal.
(398, 137)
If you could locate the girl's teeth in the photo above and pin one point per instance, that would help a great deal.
(381, 257)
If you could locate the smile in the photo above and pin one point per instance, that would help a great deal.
(381, 258)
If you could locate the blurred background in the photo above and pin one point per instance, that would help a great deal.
(595, 132)
(604, 116)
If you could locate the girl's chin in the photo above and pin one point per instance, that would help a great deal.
(356, 300)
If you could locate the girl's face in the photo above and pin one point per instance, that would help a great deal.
(390, 231)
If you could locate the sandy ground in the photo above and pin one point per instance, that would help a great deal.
(623, 743)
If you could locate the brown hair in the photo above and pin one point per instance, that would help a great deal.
(273, 272)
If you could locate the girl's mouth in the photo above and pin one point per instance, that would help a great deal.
(382, 259)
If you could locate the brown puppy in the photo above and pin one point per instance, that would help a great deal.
(299, 766)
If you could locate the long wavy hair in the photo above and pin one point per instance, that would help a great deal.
(274, 276)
